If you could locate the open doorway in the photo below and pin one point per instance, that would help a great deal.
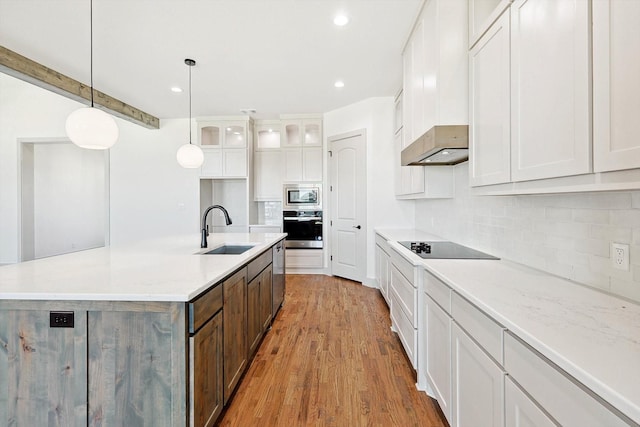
(64, 198)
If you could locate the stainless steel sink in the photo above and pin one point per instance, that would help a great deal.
(228, 250)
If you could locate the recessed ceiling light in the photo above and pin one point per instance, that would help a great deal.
(176, 89)
(341, 20)
(339, 83)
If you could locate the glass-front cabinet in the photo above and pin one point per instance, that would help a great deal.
(301, 132)
(225, 144)
(268, 135)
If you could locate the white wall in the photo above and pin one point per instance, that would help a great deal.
(26, 112)
(564, 234)
(151, 194)
(383, 210)
(69, 198)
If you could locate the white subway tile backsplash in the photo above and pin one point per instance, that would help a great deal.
(558, 214)
(569, 235)
(625, 218)
(611, 233)
(593, 247)
(593, 216)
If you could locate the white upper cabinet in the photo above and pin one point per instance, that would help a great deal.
(616, 85)
(267, 175)
(483, 13)
(489, 107)
(222, 134)
(301, 132)
(435, 90)
(268, 135)
(302, 149)
(302, 164)
(225, 146)
(550, 115)
(435, 87)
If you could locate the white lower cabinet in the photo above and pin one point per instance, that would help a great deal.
(383, 269)
(568, 402)
(438, 354)
(404, 305)
(401, 324)
(482, 375)
(521, 411)
(478, 384)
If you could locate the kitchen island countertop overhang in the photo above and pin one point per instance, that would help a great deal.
(163, 269)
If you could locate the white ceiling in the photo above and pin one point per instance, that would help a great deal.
(277, 56)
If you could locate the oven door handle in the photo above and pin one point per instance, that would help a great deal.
(303, 219)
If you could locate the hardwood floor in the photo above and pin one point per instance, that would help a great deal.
(331, 359)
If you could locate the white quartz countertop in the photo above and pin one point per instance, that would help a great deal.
(592, 335)
(164, 269)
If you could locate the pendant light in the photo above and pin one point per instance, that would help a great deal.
(190, 155)
(89, 127)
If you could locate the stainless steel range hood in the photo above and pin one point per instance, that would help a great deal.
(440, 145)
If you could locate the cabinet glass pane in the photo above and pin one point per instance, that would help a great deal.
(312, 134)
(234, 136)
(210, 136)
(269, 138)
(293, 134)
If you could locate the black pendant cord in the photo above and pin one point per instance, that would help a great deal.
(190, 63)
(91, 48)
(189, 103)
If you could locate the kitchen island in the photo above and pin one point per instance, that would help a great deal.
(110, 336)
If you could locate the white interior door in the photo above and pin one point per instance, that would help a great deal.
(348, 198)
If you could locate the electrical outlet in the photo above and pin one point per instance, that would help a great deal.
(61, 319)
(620, 256)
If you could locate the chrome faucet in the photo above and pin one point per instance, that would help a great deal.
(205, 232)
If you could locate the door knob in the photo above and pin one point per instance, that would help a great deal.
(357, 226)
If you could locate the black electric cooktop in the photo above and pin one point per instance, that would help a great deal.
(444, 250)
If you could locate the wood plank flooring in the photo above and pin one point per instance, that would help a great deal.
(331, 359)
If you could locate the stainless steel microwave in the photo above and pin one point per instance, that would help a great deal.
(302, 196)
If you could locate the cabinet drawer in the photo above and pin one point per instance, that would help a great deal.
(406, 293)
(566, 400)
(304, 258)
(437, 290)
(406, 332)
(478, 325)
(404, 266)
(260, 263)
(204, 307)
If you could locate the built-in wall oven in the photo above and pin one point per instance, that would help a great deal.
(303, 228)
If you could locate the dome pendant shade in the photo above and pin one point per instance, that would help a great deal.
(190, 156)
(91, 128)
